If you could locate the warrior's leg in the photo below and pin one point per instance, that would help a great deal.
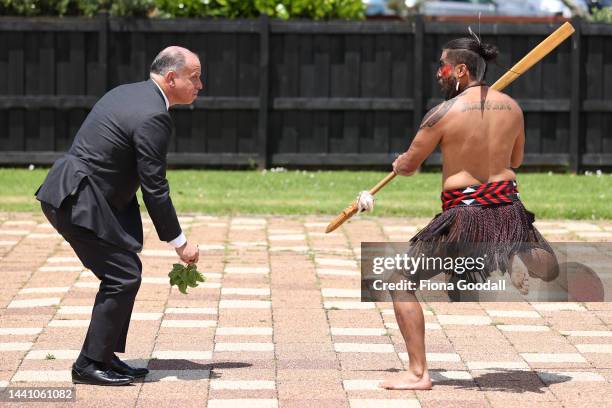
(411, 323)
(540, 264)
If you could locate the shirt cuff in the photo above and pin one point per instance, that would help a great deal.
(178, 241)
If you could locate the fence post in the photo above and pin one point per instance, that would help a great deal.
(575, 99)
(262, 119)
(103, 50)
(418, 83)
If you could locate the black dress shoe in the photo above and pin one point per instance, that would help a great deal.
(122, 368)
(95, 375)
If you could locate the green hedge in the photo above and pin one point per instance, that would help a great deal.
(603, 15)
(284, 9)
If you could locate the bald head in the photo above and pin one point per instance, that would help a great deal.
(172, 58)
(177, 72)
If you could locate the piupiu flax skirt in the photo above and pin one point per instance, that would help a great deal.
(487, 221)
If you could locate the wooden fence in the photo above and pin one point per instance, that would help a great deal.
(296, 93)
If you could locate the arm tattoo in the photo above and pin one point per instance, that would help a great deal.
(434, 115)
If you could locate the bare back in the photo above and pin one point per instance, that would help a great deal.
(481, 136)
(478, 137)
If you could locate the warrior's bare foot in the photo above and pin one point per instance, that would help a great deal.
(520, 279)
(407, 381)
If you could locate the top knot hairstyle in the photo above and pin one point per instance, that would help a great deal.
(473, 53)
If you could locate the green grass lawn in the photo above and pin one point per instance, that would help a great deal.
(328, 192)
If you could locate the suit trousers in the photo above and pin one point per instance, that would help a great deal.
(119, 271)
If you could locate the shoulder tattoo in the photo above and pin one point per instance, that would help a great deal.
(485, 105)
(435, 114)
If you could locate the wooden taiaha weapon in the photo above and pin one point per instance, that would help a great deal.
(533, 57)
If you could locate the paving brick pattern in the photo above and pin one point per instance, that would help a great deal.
(278, 323)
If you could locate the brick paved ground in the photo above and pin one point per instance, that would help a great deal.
(278, 323)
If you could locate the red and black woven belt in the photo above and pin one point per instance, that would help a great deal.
(489, 194)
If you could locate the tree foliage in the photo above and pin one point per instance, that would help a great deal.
(283, 9)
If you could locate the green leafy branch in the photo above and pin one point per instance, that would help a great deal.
(185, 276)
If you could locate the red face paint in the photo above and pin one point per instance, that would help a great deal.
(445, 70)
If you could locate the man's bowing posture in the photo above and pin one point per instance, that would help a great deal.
(89, 196)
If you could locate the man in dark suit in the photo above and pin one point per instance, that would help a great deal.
(89, 196)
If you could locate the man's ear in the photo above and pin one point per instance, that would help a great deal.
(461, 70)
(170, 77)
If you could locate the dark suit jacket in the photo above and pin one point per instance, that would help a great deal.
(120, 147)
